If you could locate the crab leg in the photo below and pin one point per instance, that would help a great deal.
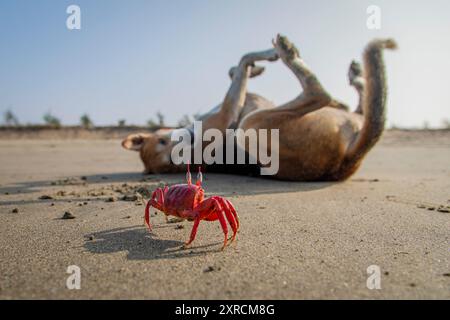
(234, 212)
(229, 215)
(193, 232)
(215, 208)
(159, 194)
(223, 223)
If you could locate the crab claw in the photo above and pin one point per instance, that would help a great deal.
(147, 215)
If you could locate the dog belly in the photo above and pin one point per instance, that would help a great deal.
(314, 146)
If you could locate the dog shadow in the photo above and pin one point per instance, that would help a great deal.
(34, 186)
(226, 185)
(142, 245)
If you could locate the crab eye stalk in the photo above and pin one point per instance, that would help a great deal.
(199, 176)
(188, 174)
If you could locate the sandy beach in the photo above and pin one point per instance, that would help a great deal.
(297, 240)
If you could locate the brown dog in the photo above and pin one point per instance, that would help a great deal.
(319, 138)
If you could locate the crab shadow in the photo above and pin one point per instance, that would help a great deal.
(142, 245)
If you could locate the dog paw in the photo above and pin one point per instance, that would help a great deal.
(285, 49)
(256, 71)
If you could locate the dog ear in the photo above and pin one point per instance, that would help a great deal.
(134, 141)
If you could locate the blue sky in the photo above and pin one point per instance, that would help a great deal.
(133, 58)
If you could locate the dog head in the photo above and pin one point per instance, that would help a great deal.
(154, 150)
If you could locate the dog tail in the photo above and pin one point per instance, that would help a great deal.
(373, 104)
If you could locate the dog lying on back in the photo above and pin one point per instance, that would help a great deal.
(319, 139)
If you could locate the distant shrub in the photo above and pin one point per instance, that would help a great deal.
(160, 118)
(10, 118)
(86, 121)
(184, 121)
(51, 120)
(121, 123)
(446, 123)
(152, 124)
(159, 123)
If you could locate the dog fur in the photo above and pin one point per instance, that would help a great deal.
(320, 140)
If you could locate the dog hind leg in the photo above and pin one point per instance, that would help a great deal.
(314, 96)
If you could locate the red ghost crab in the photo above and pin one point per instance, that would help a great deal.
(186, 201)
